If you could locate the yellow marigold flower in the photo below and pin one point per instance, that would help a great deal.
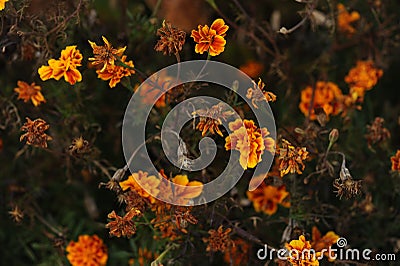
(30, 92)
(104, 55)
(115, 73)
(327, 96)
(252, 147)
(266, 198)
(219, 240)
(320, 242)
(3, 4)
(252, 68)
(256, 96)
(210, 39)
(363, 77)
(238, 254)
(344, 19)
(35, 132)
(300, 253)
(291, 158)
(65, 66)
(147, 183)
(395, 159)
(88, 251)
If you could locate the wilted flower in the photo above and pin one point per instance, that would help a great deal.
(376, 133)
(88, 251)
(31, 92)
(327, 96)
(219, 240)
(259, 94)
(104, 55)
(266, 198)
(300, 252)
(35, 132)
(79, 146)
(291, 158)
(122, 226)
(211, 119)
(344, 19)
(65, 66)
(146, 186)
(17, 214)
(345, 184)
(210, 39)
(250, 141)
(395, 159)
(115, 73)
(171, 39)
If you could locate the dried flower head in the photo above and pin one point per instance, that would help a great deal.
(219, 240)
(35, 132)
(395, 159)
(300, 252)
(183, 217)
(31, 92)
(79, 146)
(266, 198)
(87, 251)
(16, 214)
(345, 184)
(133, 200)
(171, 39)
(344, 19)
(211, 119)
(104, 55)
(123, 226)
(115, 73)
(376, 133)
(291, 158)
(250, 141)
(210, 39)
(259, 94)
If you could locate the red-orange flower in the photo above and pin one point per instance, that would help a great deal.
(344, 19)
(210, 39)
(266, 198)
(250, 141)
(28, 92)
(65, 67)
(395, 159)
(327, 96)
(219, 240)
(88, 251)
(115, 73)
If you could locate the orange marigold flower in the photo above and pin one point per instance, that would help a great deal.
(171, 39)
(115, 73)
(35, 132)
(266, 198)
(104, 55)
(344, 19)
(327, 96)
(211, 119)
(323, 242)
(30, 92)
(258, 96)
(395, 159)
(291, 158)
(362, 78)
(210, 39)
(252, 68)
(300, 252)
(65, 66)
(219, 240)
(3, 4)
(88, 251)
(123, 226)
(144, 185)
(238, 254)
(250, 141)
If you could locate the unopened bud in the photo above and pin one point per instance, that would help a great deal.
(333, 135)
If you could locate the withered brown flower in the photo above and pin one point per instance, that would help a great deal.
(291, 158)
(17, 214)
(171, 39)
(219, 240)
(35, 132)
(133, 200)
(183, 217)
(104, 55)
(346, 185)
(259, 94)
(376, 132)
(211, 119)
(79, 146)
(122, 226)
